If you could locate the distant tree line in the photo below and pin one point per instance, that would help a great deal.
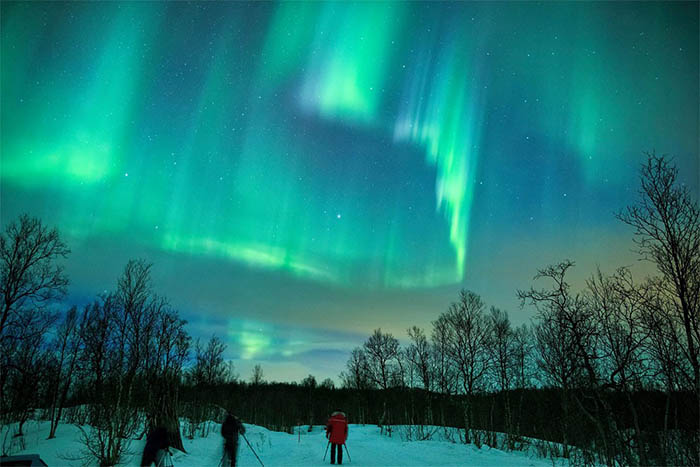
(607, 374)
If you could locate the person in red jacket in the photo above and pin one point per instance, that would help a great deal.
(337, 433)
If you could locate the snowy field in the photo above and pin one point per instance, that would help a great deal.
(367, 448)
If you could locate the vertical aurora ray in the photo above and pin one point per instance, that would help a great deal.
(586, 127)
(443, 114)
(191, 219)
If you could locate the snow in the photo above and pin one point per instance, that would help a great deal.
(366, 445)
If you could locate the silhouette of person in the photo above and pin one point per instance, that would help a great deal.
(230, 430)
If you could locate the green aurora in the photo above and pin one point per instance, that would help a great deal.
(375, 149)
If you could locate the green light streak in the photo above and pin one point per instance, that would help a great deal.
(87, 150)
(345, 78)
(257, 255)
(447, 125)
(252, 338)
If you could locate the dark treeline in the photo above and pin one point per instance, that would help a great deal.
(606, 374)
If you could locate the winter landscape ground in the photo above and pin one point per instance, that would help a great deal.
(366, 445)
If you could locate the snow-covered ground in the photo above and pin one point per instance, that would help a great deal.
(366, 446)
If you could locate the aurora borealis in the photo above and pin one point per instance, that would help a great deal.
(301, 173)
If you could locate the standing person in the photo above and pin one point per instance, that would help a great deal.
(337, 433)
(230, 430)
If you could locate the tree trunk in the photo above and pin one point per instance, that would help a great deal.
(467, 420)
(509, 422)
(664, 444)
(565, 421)
(637, 430)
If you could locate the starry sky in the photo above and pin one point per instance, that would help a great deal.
(302, 173)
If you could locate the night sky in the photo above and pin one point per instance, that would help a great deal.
(302, 173)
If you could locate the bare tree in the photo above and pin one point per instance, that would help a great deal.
(257, 377)
(30, 280)
(419, 362)
(357, 376)
(445, 374)
(666, 220)
(24, 360)
(383, 359)
(66, 349)
(502, 348)
(29, 275)
(669, 368)
(29, 365)
(382, 353)
(209, 368)
(468, 344)
(503, 355)
(618, 306)
(167, 347)
(557, 348)
(309, 384)
(96, 334)
(112, 415)
(133, 338)
(420, 356)
(571, 354)
(230, 373)
(523, 349)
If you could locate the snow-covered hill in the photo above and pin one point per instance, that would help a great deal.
(366, 447)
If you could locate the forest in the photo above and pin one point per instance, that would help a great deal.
(608, 373)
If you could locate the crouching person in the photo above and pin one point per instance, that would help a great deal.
(156, 449)
(337, 433)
